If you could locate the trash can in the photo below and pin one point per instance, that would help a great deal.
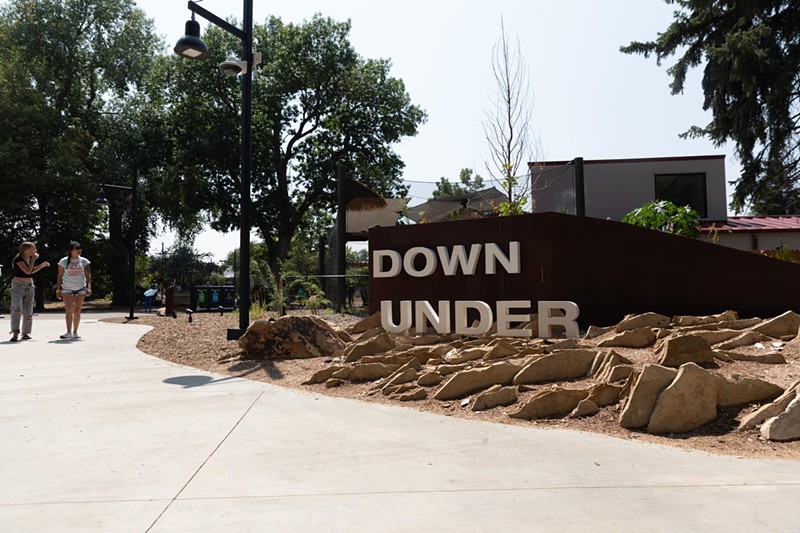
(212, 297)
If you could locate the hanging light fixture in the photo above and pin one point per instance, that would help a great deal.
(191, 46)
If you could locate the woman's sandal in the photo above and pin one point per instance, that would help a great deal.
(14, 338)
(26, 337)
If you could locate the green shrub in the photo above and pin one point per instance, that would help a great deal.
(665, 216)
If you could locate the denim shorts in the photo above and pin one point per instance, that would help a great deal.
(75, 293)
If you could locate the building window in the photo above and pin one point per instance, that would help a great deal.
(683, 189)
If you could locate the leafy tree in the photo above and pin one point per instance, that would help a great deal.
(751, 83)
(508, 126)
(183, 265)
(468, 184)
(665, 216)
(316, 104)
(66, 64)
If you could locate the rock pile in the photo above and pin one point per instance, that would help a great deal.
(661, 374)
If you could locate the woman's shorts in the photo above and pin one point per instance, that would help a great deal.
(75, 293)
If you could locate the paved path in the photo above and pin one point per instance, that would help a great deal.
(97, 436)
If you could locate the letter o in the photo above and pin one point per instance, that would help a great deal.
(430, 261)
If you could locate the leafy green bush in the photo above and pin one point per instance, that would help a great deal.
(665, 216)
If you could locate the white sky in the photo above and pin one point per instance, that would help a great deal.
(590, 100)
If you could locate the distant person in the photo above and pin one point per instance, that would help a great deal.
(149, 296)
(22, 290)
(74, 283)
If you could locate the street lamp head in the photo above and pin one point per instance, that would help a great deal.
(191, 46)
(101, 198)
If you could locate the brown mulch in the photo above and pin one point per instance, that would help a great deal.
(202, 344)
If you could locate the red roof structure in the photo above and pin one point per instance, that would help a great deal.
(749, 224)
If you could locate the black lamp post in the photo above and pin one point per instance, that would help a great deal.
(101, 200)
(191, 46)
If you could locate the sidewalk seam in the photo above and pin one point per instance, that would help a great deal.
(217, 447)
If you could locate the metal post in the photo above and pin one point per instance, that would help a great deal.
(247, 116)
(341, 235)
(132, 246)
(580, 201)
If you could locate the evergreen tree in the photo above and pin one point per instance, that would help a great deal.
(751, 83)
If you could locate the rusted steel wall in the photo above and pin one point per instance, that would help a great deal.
(608, 268)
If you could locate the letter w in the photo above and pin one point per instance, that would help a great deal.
(459, 257)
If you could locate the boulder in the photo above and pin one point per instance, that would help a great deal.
(745, 339)
(560, 365)
(604, 361)
(501, 350)
(469, 381)
(643, 396)
(321, 376)
(613, 374)
(429, 379)
(682, 349)
(727, 316)
(645, 320)
(635, 338)
(401, 376)
(371, 371)
(595, 331)
(770, 410)
(414, 395)
(455, 356)
(717, 336)
(584, 408)
(784, 325)
(745, 390)
(687, 403)
(290, 337)
(785, 426)
(549, 403)
(604, 394)
(494, 396)
(375, 345)
(372, 321)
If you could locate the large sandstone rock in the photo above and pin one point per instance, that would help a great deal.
(785, 325)
(643, 396)
(321, 376)
(635, 338)
(683, 349)
(494, 396)
(469, 381)
(370, 371)
(375, 345)
(710, 319)
(429, 379)
(785, 426)
(770, 410)
(561, 365)
(549, 403)
(645, 320)
(604, 394)
(604, 360)
(585, 408)
(371, 322)
(687, 403)
(745, 339)
(455, 356)
(717, 336)
(745, 390)
(290, 337)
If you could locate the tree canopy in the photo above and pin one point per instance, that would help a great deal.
(316, 104)
(68, 67)
(466, 183)
(751, 84)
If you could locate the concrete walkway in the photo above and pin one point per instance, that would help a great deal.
(97, 436)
